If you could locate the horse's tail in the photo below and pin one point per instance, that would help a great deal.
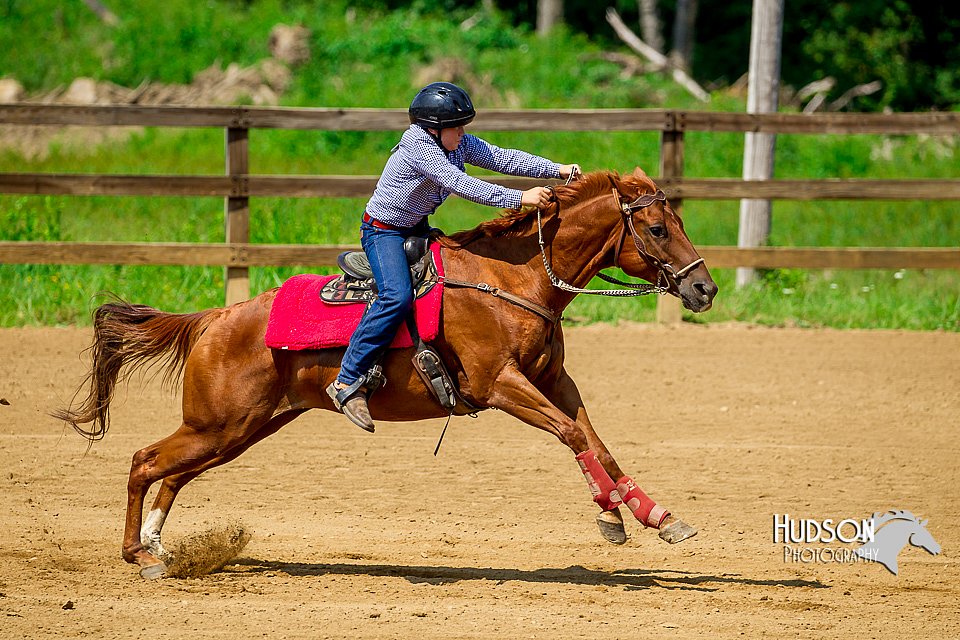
(126, 338)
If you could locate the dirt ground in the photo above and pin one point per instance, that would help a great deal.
(366, 536)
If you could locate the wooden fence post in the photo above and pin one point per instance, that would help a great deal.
(237, 211)
(671, 166)
(763, 90)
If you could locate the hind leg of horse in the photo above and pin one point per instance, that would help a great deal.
(186, 449)
(170, 487)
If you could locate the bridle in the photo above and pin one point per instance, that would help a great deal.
(667, 275)
(626, 211)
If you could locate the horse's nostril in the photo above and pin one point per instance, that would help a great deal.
(706, 289)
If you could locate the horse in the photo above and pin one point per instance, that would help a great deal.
(504, 351)
(899, 528)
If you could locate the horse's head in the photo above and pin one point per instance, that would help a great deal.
(893, 530)
(922, 538)
(653, 245)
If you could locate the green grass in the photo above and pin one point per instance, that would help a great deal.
(373, 60)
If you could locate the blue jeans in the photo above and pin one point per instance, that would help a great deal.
(377, 328)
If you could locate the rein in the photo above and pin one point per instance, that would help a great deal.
(497, 292)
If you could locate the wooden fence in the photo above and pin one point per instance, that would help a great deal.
(237, 186)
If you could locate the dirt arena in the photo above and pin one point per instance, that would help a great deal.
(366, 536)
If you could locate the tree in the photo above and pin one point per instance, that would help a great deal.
(681, 55)
(549, 13)
(650, 29)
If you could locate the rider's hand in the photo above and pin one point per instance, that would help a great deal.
(566, 170)
(536, 197)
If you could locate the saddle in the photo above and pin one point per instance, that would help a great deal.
(357, 285)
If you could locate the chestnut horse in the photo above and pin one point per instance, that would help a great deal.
(502, 354)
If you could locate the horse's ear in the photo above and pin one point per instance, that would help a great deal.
(615, 179)
(639, 173)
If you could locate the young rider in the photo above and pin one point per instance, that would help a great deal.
(423, 169)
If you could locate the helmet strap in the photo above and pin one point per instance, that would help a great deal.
(435, 136)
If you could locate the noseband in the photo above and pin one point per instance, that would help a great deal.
(665, 269)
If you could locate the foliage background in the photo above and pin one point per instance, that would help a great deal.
(912, 46)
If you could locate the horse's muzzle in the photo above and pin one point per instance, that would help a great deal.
(697, 294)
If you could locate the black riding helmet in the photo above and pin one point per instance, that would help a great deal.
(442, 105)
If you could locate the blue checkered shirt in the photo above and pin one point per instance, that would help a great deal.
(419, 175)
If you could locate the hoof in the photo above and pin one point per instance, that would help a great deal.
(153, 571)
(677, 531)
(611, 527)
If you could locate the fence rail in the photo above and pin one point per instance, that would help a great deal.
(244, 255)
(237, 186)
(335, 119)
(76, 184)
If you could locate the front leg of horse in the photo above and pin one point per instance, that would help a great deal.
(599, 469)
(516, 395)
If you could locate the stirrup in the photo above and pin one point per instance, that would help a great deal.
(342, 399)
(430, 368)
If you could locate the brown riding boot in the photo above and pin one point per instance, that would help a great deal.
(352, 401)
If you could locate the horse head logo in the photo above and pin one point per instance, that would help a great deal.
(898, 528)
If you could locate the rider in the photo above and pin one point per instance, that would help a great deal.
(423, 169)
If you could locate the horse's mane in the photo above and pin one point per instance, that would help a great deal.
(880, 519)
(514, 222)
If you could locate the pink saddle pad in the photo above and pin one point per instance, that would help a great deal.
(299, 319)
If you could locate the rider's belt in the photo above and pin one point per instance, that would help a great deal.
(378, 224)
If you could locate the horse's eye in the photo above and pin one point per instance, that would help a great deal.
(658, 231)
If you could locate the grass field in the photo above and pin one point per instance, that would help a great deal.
(374, 63)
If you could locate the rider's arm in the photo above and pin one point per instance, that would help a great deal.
(514, 162)
(428, 159)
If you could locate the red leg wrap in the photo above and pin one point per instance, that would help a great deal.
(644, 509)
(602, 487)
